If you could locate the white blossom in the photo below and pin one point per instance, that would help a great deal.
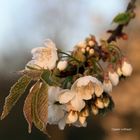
(114, 78)
(126, 68)
(44, 57)
(62, 65)
(56, 111)
(82, 89)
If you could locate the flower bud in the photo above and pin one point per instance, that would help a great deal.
(107, 85)
(83, 50)
(119, 71)
(126, 68)
(87, 49)
(114, 78)
(99, 103)
(94, 109)
(81, 44)
(72, 117)
(106, 101)
(62, 65)
(82, 119)
(85, 112)
(91, 43)
(91, 52)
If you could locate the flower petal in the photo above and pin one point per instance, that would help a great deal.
(55, 113)
(66, 96)
(77, 103)
(114, 78)
(72, 117)
(98, 90)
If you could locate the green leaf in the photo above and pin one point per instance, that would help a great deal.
(15, 93)
(122, 18)
(28, 103)
(40, 107)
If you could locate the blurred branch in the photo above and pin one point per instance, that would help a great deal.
(118, 32)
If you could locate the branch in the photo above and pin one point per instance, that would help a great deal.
(118, 32)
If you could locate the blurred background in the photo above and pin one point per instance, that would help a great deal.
(26, 24)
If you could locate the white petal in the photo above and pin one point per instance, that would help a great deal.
(126, 69)
(114, 78)
(85, 92)
(77, 103)
(72, 117)
(45, 57)
(55, 113)
(107, 86)
(98, 90)
(62, 123)
(66, 96)
(53, 93)
(83, 81)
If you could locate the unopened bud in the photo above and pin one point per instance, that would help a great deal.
(82, 119)
(62, 65)
(99, 103)
(87, 49)
(91, 52)
(91, 43)
(95, 110)
(106, 101)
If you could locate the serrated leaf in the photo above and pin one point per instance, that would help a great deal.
(40, 107)
(15, 93)
(122, 18)
(27, 105)
(49, 78)
(34, 74)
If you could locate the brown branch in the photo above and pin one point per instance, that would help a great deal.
(116, 33)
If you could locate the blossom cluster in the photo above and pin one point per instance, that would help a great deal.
(79, 83)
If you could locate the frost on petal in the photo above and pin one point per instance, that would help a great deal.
(114, 78)
(77, 103)
(55, 113)
(98, 90)
(126, 69)
(65, 97)
(72, 117)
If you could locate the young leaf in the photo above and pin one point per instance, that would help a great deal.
(40, 107)
(49, 78)
(122, 18)
(27, 105)
(15, 93)
(34, 74)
